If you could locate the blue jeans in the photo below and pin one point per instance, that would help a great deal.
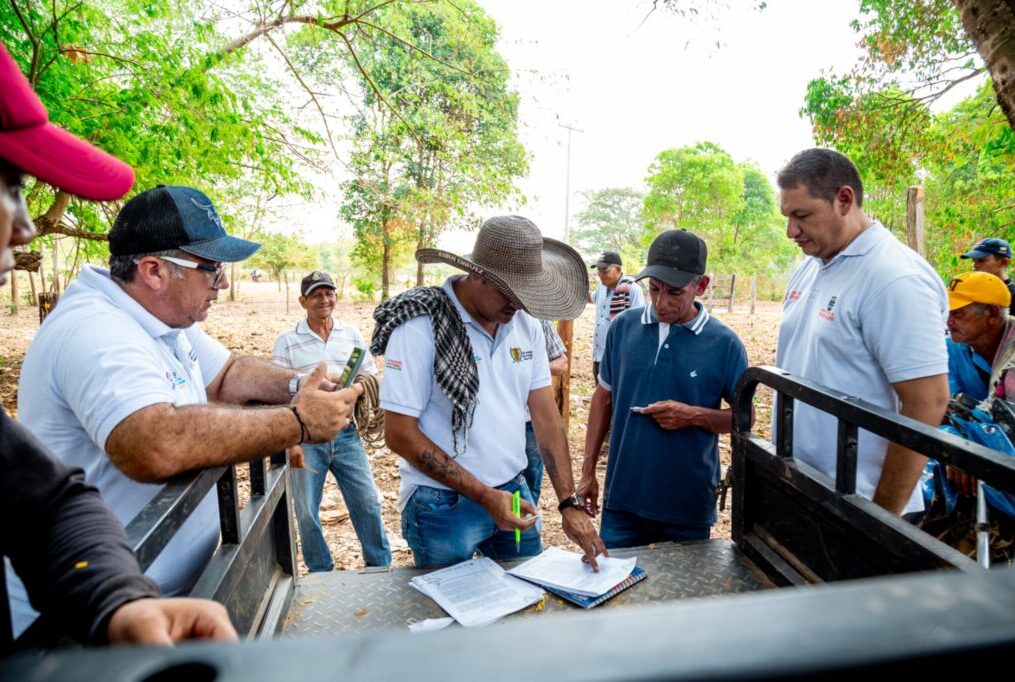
(445, 527)
(347, 461)
(534, 471)
(623, 529)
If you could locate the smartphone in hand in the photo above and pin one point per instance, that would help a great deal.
(637, 409)
(351, 368)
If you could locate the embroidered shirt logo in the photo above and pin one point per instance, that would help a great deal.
(694, 373)
(174, 379)
(393, 364)
(827, 312)
(517, 354)
(793, 295)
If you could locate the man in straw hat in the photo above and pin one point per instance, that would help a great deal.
(460, 369)
(666, 369)
(74, 555)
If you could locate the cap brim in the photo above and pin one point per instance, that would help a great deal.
(975, 253)
(955, 302)
(671, 276)
(226, 249)
(62, 160)
(559, 292)
(318, 285)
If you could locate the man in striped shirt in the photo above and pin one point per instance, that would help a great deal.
(321, 337)
(616, 293)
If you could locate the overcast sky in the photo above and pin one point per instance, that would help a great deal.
(637, 86)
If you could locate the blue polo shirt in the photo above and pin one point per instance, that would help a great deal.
(968, 371)
(662, 475)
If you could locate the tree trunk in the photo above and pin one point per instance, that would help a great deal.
(56, 270)
(286, 292)
(385, 267)
(420, 244)
(31, 282)
(14, 292)
(990, 24)
(232, 282)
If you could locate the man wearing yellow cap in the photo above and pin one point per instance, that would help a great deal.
(981, 349)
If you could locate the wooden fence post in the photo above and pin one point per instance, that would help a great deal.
(754, 291)
(914, 218)
(562, 384)
(708, 298)
(733, 288)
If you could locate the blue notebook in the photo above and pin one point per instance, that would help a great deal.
(637, 575)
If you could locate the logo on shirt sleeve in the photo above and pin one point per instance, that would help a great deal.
(395, 365)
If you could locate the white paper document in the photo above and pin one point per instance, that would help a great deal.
(477, 592)
(566, 571)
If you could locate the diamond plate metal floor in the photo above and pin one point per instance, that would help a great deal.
(362, 601)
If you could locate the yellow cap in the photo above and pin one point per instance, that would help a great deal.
(977, 287)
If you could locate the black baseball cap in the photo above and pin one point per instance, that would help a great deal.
(169, 217)
(316, 280)
(675, 257)
(989, 247)
(606, 259)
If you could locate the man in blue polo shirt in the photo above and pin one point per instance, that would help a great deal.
(666, 369)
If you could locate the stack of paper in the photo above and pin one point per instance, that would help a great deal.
(566, 571)
(477, 592)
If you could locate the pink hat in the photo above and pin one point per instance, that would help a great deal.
(34, 145)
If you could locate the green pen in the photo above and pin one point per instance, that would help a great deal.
(516, 507)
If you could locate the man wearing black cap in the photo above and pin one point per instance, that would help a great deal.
(666, 370)
(321, 337)
(993, 255)
(616, 293)
(119, 377)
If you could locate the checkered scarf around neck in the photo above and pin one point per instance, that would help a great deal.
(453, 365)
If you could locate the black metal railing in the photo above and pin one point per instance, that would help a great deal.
(802, 526)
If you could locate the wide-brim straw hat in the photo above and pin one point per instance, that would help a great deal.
(544, 277)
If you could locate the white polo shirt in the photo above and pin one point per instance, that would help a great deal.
(98, 358)
(301, 348)
(510, 364)
(873, 316)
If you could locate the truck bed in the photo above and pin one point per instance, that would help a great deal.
(377, 600)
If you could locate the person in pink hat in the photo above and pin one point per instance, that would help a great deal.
(70, 550)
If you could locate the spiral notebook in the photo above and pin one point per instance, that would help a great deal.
(637, 575)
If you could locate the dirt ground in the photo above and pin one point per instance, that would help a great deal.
(250, 324)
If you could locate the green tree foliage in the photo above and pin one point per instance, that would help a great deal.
(881, 117)
(731, 206)
(282, 254)
(612, 221)
(437, 134)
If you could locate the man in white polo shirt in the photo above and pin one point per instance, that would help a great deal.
(460, 369)
(319, 336)
(118, 377)
(864, 315)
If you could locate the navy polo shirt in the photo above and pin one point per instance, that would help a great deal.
(662, 475)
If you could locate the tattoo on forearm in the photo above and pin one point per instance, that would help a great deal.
(439, 467)
(550, 463)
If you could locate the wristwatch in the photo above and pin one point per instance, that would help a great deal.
(294, 384)
(572, 501)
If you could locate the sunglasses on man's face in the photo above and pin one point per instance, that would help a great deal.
(217, 272)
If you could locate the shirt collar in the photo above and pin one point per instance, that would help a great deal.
(696, 325)
(98, 279)
(863, 243)
(464, 314)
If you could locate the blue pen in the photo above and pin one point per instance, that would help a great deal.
(516, 507)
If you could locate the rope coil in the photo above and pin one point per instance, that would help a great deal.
(368, 414)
